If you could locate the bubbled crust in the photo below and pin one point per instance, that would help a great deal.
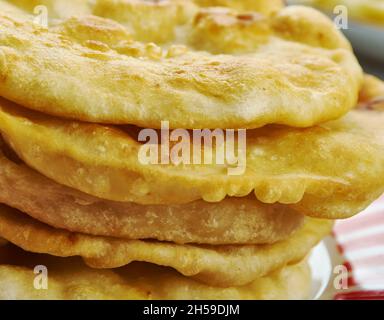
(69, 278)
(220, 265)
(51, 70)
(286, 165)
(231, 221)
(220, 30)
(148, 21)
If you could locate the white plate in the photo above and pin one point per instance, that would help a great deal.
(321, 268)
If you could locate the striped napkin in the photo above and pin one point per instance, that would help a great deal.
(360, 244)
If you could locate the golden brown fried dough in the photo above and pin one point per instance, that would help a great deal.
(219, 30)
(266, 7)
(372, 94)
(148, 21)
(224, 266)
(163, 21)
(290, 282)
(365, 10)
(331, 171)
(57, 9)
(8, 8)
(50, 71)
(81, 29)
(69, 278)
(232, 221)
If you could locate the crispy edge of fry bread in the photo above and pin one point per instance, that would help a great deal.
(70, 278)
(231, 265)
(372, 94)
(314, 169)
(195, 89)
(231, 221)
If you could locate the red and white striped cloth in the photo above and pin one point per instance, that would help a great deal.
(361, 244)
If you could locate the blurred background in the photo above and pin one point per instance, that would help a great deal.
(365, 28)
(373, 67)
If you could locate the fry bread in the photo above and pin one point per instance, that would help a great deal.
(232, 221)
(121, 81)
(70, 279)
(330, 171)
(262, 6)
(365, 10)
(372, 94)
(222, 266)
